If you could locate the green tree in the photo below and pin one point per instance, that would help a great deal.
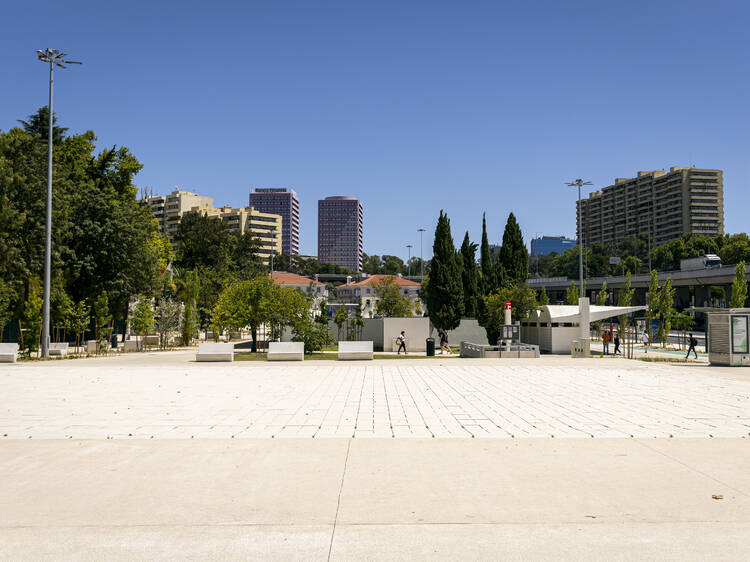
(624, 298)
(666, 308)
(167, 320)
(341, 318)
(322, 317)
(513, 254)
(102, 317)
(736, 248)
(391, 301)
(313, 335)
(543, 298)
(470, 277)
(6, 303)
(358, 321)
(188, 294)
(61, 311)
(683, 322)
(80, 320)
(32, 316)
(601, 300)
(572, 294)
(652, 298)
(739, 287)
(523, 301)
(443, 292)
(488, 276)
(286, 307)
(38, 125)
(143, 319)
(245, 303)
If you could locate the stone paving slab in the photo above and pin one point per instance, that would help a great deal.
(169, 396)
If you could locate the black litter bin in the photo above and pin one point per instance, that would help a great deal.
(114, 341)
(430, 347)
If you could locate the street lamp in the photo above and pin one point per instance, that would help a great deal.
(408, 262)
(54, 58)
(580, 183)
(421, 256)
(273, 247)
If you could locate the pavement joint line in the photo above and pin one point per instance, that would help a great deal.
(338, 501)
(709, 476)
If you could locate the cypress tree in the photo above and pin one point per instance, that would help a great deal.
(513, 254)
(469, 277)
(488, 281)
(444, 295)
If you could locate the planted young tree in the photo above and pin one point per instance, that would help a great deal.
(739, 287)
(340, 319)
(470, 277)
(652, 298)
(245, 303)
(61, 312)
(666, 311)
(286, 307)
(572, 294)
(101, 317)
(167, 320)
(624, 299)
(189, 291)
(143, 319)
(513, 254)
(322, 317)
(543, 299)
(32, 316)
(358, 321)
(80, 320)
(601, 299)
(443, 293)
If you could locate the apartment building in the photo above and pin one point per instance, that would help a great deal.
(340, 232)
(284, 202)
(170, 209)
(665, 205)
(365, 292)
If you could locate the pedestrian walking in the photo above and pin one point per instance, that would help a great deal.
(444, 347)
(605, 342)
(645, 341)
(617, 344)
(401, 339)
(693, 343)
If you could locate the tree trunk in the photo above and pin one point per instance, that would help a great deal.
(254, 332)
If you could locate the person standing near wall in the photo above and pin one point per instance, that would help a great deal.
(401, 339)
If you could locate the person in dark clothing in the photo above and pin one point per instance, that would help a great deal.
(401, 339)
(693, 342)
(617, 344)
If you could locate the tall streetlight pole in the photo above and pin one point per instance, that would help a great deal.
(273, 247)
(408, 262)
(54, 58)
(580, 183)
(421, 255)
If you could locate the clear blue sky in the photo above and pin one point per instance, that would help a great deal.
(410, 106)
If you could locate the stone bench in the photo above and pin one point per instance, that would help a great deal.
(129, 346)
(58, 349)
(211, 351)
(286, 351)
(8, 352)
(349, 350)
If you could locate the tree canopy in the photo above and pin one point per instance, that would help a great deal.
(443, 290)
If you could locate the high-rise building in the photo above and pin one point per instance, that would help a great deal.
(284, 202)
(550, 244)
(170, 209)
(340, 232)
(665, 205)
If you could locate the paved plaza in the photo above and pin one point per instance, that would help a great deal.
(156, 457)
(168, 395)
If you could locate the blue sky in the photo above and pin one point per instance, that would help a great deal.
(410, 106)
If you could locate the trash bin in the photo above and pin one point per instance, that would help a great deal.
(430, 347)
(114, 341)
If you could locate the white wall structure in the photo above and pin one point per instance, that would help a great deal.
(554, 327)
(468, 330)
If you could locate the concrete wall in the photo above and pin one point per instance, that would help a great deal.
(417, 331)
(468, 330)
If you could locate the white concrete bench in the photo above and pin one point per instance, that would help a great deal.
(8, 352)
(91, 346)
(211, 351)
(286, 351)
(58, 349)
(132, 345)
(355, 350)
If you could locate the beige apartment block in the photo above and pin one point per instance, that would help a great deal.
(170, 209)
(665, 205)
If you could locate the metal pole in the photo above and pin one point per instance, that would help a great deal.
(408, 262)
(273, 248)
(421, 255)
(48, 229)
(580, 244)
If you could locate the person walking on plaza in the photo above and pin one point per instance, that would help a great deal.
(645, 341)
(444, 347)
(617, 344)
(605, 342)
(693, 342)
(401, 339)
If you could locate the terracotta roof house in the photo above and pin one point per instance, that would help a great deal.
(365, 292)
